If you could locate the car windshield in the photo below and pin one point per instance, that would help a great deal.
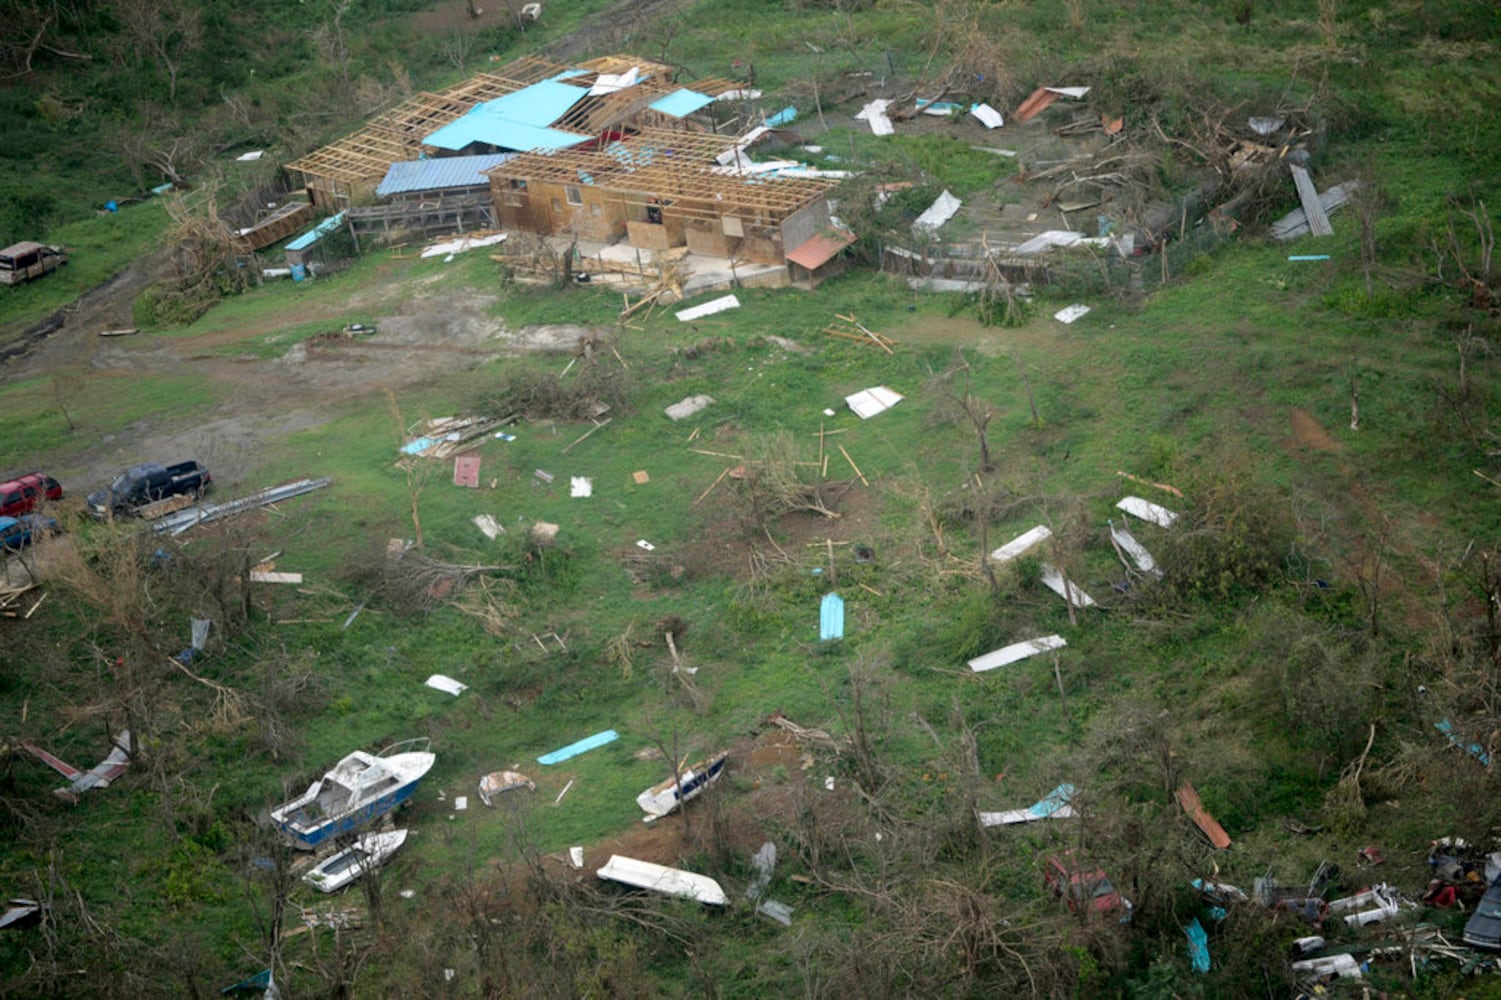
(1103, 888)
(122, 484)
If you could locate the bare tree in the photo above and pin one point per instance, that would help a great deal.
(166, 32)
(952, 389)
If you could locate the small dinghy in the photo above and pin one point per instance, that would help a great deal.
(368, 852)
(360, 788)
(659, 800)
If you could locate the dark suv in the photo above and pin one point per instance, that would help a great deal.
(21, 495)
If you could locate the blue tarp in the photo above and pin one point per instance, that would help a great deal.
(831, 617)
(1198, 945)
(786, 116)
(260, 982)
(1053, 801)
(582, 746)
(681, 102)
(323, 228)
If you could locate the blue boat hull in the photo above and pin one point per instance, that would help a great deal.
(338, 825)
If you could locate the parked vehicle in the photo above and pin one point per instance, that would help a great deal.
(20, 262)
(141, 485)
(22, 494)
(18, 532)
(360, 788)
(1085, 889)
(1483, 929)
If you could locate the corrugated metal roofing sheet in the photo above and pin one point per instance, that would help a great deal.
(819, 250)
(681, 102)
(515, 121)
(323, 228)
(439, 174)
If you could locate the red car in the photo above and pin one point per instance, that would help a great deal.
(1085, 889)
(20, 496)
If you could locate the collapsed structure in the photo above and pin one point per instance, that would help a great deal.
(612, 149)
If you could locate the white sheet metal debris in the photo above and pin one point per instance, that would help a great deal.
(252, 156)
(989, 117)
(1343, 966)
(868, 402)
(447, 248)
(1070, 313)
(780, 912)
(576, 857)
(1053, 580)
(1147, 511)
(1076, 93)
(875, 114)
(442, 682)
(764, 861)
(1016, 651)
(1265, 126)
(687, 407)
(645, 546)
(487, 523)
(580, 486)
(199, 627)
(1054, 805)
(709, 308)
(1050, 238)
(180, 521)
(1127, 544)
(1021, 543)
(944, 207)
(460, 803)
(659, 878)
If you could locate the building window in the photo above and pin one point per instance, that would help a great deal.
(518, 185)
(574, 194)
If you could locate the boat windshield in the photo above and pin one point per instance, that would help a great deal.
(354, 858)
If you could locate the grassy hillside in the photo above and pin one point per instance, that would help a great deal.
(1326, 596)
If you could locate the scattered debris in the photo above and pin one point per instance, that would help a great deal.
(1054, 805)
(251, 157)
(1358, 910)
(1016, 651)
(659, 878)
(944, 208)
(176, 524)
(1053, 580)
(460, 803)
(709, 308)
(544, 476)
(1070, 313)
(869, 402)
(1058, 238)
(851, 329)
(687, 407)
(127, 332)
(466, 471)
(1021, 543)
(644, 545)
(543, 533)
(582, 746)
(261, 982)
(1313, 208)
(1295, 223)
(576, 857)
(1328, 967)
(764, 862)
(99, 776)
(442, 436)
(564, 792)
(442, 682)
(1147, 482)
(1126, 544)
(18, 911)
(448, 248)
(662, 799)
(1188, 798)
(366, 854)
(487, 524)
(267, 576)
(498, 782)
(780, 912)
(580, 486)
(831, 617)
(1198, 945)
(641, 477)
(875, 114)
(988, 116)
(1473, 749)
(1147, 511)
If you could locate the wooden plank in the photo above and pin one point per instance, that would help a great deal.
(1318, 221)
(1188, 798)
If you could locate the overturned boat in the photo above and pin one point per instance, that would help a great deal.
(368, 852)
(360, 788)
(659, 800)
(660, 878)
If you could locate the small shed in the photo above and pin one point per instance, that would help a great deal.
(309, 245)
(819, 257)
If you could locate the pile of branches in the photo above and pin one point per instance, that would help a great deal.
(411, 583)
(777, 482)
(208, 262)
(596, 387)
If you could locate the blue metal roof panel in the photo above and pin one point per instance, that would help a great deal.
(681, 102)
(439, 174)
(323, 228)
(500, 132)
(540, 104)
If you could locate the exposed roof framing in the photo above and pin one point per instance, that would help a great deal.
(397, 134)
(669, 166)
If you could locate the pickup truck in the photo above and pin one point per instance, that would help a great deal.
(141, 485)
